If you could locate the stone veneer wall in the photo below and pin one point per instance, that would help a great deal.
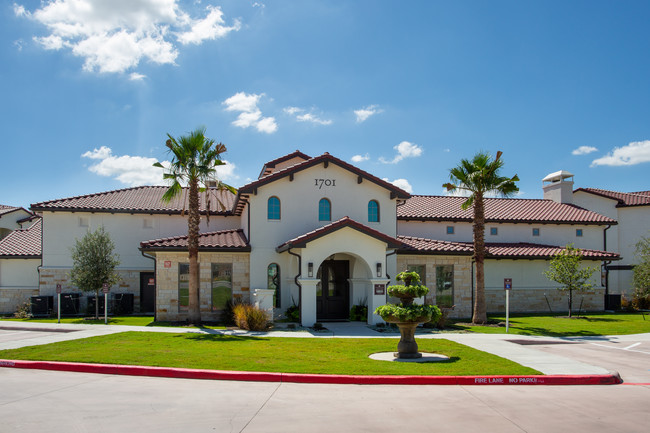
(50, 277)
(167, 282)
(462, 278)
(532, 300)
(11, 299)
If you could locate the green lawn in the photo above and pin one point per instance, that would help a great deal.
(561, 326)
(289, 355)
(112, 320)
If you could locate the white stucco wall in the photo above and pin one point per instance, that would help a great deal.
(9, 220)
(60, 229)
(549, 234)
(19, 273)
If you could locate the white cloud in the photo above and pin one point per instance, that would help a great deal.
(226, 173)
(364, 113)
(250, 115)
(360, 158)
(130, 170)
(404, 150)
(584, 150)
(302, 115)
(634, 153)
(134, 76)
(115, 36)
(209, 28)
(401, 183)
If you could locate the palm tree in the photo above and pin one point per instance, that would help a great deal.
(194, 161)
(480, 177)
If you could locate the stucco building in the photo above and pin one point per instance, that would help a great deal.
(325, 235)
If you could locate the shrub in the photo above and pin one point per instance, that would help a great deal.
(318, 326)
(359, 313)
(293, 313)
(227, 315)
(24, 311)
(250, 317)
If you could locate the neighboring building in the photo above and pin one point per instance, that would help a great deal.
(632, 211)
(12, 218)
(325, 235)
(20, 256)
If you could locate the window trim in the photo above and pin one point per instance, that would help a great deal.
(329, 209)
(269, 209)
(378, 211)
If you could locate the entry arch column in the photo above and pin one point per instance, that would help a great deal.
(308, 301)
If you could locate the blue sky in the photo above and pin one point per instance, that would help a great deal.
(403, 90)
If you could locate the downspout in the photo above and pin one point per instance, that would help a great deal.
(155, 273)
(298, 284)
(605, 263)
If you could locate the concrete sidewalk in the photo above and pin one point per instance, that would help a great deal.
(498, 344)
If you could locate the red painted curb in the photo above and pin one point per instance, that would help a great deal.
(188, 373)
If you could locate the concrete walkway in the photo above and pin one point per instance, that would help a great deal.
(503, 345)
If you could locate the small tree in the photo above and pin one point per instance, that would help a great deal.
(94, 263)
(642, 271)
(566, 269)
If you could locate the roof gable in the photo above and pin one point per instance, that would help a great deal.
(623, 199)
(303, 240)
(498, 210)
(141, 199)
(282, 162)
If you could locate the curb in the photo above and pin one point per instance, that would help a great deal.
(187, 373)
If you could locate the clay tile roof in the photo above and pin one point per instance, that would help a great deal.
(6, 209)
(520, 250)
(269, 167)
(302, 240)
(141, 199)
(624, 199)
(445, 208)
(229, 240)
(23, 243)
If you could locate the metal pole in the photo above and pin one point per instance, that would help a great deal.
(58, 307)
(105, 308)
(507, 310)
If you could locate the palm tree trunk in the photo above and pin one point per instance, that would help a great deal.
(194, 308)
(480, 315)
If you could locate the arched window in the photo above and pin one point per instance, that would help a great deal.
(373, 211)
(324, 210)
(274, 208)
(273, 282)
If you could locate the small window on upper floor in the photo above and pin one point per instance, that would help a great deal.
(84, 221)
(579, 233)
(274, 208)
(494, 231)
(450, 230)
(147, 223)
(324, 210)
(373, 211)
(535, 232)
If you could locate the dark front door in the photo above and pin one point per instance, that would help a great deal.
(332, 292)
(147, 292)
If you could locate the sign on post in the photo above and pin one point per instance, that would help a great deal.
(105, 290)
(58, 303)
(507, 286)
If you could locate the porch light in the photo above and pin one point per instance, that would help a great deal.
(379, 274)
(310, 270)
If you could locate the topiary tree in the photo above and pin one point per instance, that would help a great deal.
(566, 269)
(94, 263)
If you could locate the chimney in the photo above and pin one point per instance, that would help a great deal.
(558, 187)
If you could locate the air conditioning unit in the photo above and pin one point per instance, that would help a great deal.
(122, 303)
(91, 305)
(42, 305)
(70, 304)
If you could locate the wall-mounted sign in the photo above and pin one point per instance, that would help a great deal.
(380, 289)
(152, 282)
(507, 284)
(320, 183)
(168, 263)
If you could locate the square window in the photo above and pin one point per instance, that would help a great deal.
(494, 231)
(450, 230)
(579, 233)
(535, 232)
